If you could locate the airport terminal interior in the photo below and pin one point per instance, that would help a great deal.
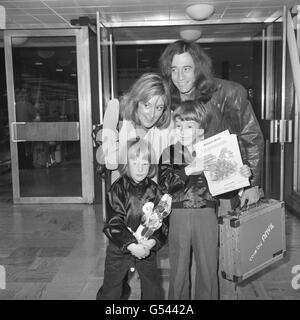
(60, 63)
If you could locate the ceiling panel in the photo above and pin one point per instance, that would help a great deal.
(142, 13)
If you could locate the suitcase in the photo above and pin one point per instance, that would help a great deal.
(252, 239)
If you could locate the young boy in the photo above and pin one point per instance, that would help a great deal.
(193, 222)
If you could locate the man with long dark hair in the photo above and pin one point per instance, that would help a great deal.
(188, 70)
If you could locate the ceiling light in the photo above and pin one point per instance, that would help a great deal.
(18, 41)
(45, 54)
(200, 11)
(190, 33)
(2, 18)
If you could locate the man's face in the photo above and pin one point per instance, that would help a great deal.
(183, 72)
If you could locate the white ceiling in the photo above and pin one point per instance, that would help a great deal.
(128, 13)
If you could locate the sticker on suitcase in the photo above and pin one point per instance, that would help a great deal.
(263, 238)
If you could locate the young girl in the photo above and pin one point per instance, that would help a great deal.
(193, 223)
(125, 202)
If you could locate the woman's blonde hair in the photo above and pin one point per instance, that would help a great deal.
(146, 87)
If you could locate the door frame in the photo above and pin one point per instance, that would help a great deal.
(107, 73)
(85, 116)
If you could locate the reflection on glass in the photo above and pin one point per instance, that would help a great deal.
(45, 80)
(50, 169)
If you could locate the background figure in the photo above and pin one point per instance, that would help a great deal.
(188, 70)
(24, 113)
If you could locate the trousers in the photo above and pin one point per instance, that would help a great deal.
(196, 230)
(117, 265)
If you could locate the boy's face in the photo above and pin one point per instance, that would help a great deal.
(188, 132)
(138, 168)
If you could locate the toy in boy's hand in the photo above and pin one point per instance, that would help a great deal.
(153, 216)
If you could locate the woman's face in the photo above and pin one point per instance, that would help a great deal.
(183, 72)
(138, 168)
(150, 112)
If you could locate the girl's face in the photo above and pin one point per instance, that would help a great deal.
(183, 72)
(188, 132)
(138, 168)
(150, 112)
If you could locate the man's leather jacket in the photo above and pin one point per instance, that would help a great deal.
(237, 112)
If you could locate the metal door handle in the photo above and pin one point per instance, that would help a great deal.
(12, 131)
(281, 131)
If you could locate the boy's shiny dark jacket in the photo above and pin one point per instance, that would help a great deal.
(125, 201)
(187, 191)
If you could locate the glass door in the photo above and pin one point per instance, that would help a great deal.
(272, 67)
(278, 111)
(49, 115)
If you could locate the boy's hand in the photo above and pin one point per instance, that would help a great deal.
(138, 250)
(245, 171)
(195, 167)
(199, 164)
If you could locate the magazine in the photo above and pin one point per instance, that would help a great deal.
(223, 173)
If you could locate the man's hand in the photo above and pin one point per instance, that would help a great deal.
(252, 195)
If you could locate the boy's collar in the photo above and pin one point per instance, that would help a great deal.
(188, 154)
(136, 183)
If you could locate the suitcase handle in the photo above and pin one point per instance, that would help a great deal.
(240, 210)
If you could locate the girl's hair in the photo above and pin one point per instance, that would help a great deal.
(204, 83)
(138, 148)
(194, 110)
(146, 87)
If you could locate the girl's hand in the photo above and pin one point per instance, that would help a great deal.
(245, 171)
(138, 250)
(148, 244)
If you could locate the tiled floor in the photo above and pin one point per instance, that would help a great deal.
(58, 252)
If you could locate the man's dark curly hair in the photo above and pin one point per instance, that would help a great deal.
(204, 75)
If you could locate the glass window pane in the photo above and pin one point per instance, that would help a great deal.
(45, 82)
